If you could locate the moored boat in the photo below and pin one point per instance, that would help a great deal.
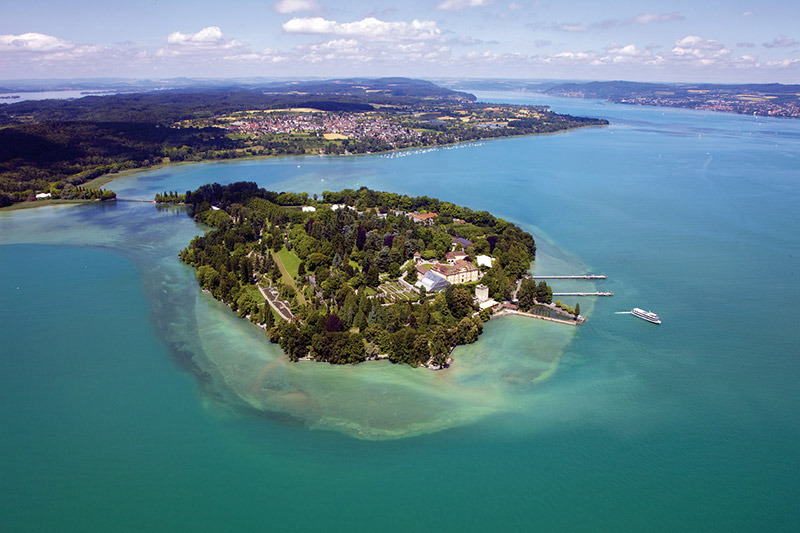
(646, 315)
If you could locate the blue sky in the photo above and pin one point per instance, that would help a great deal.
(733, 41)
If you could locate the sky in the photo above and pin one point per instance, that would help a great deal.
(677, 41)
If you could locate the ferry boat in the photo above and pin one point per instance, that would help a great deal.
(646, 315)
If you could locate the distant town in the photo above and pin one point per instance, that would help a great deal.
(765, 100)
(304, 130)
(768, 100)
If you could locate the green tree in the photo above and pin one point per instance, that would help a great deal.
(269, 318)
(394, 270)
(459, 301)
(372, 279)
(422, 351)
(527, 294)
(411, 273)
(544, 294)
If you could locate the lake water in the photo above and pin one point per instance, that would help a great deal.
(130, 401)
(16, 96)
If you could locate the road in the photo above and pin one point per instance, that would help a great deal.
(270, 294)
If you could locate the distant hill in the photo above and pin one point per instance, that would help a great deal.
(169, 106)
(398, 87)
(763, 99)
(625, 89)
(768, 99)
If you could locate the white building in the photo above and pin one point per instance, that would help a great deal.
(484, 260)
(309, 209)
(482, 293)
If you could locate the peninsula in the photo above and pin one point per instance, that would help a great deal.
(68, 149)
(360, 274)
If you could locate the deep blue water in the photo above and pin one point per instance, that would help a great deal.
(691, 425)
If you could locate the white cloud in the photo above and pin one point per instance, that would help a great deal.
(784, 63)
(267, 56)
(627, 54)
(745, 62)
(696, 48)
(641, 19)
(205, 41)
(33, 42)
(293, 6)
(570, 56)
(647, 18)
(336, 44)
(30, 54)
(376, 47)
(458, 5)
(687, 55)
(572, 27)
(629, 50)
(369, 28)
(781, 41)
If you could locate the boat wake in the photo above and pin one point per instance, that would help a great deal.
(622, 313)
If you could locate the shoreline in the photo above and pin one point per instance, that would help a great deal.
(48, 203)
(105, 179)
(100, 181)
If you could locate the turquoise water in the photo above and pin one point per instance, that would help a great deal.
(131, 401)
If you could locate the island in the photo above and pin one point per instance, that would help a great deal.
(361, 275)
(71, 149)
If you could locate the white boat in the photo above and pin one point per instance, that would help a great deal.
(646, 315)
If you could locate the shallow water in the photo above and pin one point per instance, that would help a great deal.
(618, 424)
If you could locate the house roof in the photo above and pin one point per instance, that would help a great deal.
(432, 282)
(458, 267)
(455, 255)
(462, 241)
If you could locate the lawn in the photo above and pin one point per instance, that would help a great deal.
(290, 261)
(286, 276)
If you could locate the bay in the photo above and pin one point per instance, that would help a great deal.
(615, 425)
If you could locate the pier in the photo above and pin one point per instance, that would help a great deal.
(583, 294)
(506, 312)
(582, 276)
